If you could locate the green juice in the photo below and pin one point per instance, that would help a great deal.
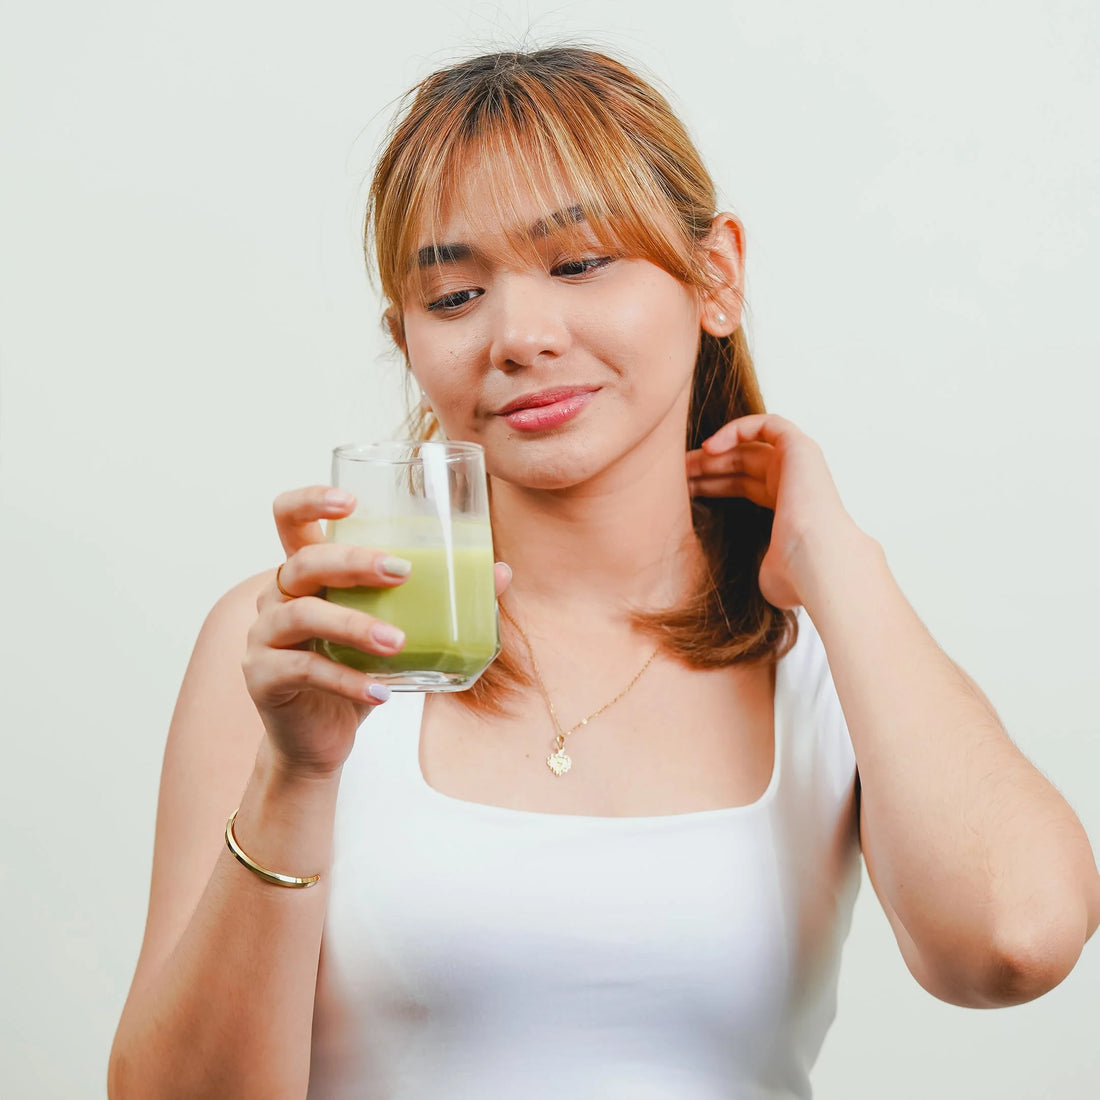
(446, 606)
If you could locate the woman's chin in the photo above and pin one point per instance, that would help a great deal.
(545, 471)
(545, 481)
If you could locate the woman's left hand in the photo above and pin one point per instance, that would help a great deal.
(769, 461)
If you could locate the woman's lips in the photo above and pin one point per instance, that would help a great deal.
(548, 410)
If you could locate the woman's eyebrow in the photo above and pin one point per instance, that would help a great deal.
(560, 219)
(433, 254)
(455, 253)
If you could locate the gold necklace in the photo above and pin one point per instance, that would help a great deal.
(559, 761)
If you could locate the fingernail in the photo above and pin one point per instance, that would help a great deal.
(338, 499)
(378, 692)
(506, 566)
(395, 567)
(387, 635)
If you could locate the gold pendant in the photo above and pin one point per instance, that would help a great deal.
(559, 762)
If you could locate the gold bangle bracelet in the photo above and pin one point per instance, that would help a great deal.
(268, 876)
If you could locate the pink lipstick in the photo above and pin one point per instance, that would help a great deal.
(536, 412)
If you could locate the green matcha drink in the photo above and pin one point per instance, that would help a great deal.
(446, 607)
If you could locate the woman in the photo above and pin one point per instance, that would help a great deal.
(658, 913)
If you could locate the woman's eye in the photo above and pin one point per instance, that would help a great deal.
(454, 300)
(581, 267)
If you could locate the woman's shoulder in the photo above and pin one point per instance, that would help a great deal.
(238, 604)
(213, 683)
(208, 755)
(214, 670)
(215, 726)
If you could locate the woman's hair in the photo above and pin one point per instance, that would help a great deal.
(587, 133)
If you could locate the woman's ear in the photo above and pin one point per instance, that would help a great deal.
(396, 328)
(724, 254)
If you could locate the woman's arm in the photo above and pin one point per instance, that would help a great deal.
(222, 998)
(985, 873)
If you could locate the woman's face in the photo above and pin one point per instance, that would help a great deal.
(560, 362)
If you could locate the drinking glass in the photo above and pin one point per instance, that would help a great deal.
(429, 504)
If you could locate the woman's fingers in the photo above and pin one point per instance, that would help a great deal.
(340, 565)
(294, 622)
(298, 514)
(763, 427)
(502, 574)
(748, 458)
(275, 676)
(733, 485)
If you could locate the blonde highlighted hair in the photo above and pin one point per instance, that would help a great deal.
(588, 135)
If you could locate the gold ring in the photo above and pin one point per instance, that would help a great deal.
(278, 584)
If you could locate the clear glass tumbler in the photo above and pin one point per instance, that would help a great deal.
(429, 504)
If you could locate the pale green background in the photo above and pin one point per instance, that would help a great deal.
(185, 330)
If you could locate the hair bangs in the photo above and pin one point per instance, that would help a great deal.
(552, 151)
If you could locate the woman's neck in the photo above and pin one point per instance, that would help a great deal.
(622, 540)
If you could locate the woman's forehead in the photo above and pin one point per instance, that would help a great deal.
(464, 231)
(502, 201)
(507, 204)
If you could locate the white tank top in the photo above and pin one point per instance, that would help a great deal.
(473, 952)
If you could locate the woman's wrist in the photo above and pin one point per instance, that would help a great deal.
(287, 776)
(286, 816)
(827, 562)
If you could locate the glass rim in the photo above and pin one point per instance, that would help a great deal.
(406, 452)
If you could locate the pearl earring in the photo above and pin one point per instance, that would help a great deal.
(721, 318)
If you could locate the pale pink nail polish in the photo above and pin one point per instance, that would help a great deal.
(387, 635)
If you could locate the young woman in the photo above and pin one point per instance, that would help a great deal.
(663, 916)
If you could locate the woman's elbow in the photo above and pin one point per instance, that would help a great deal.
(1027, 956)
(1031, 961)
(1011, 964)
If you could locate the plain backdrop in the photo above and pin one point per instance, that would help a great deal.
(186, 329)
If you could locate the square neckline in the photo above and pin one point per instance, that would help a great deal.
(767, 796)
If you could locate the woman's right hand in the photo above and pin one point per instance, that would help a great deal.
(310, 705)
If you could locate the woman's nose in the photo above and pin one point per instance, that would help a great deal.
(528, 326)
